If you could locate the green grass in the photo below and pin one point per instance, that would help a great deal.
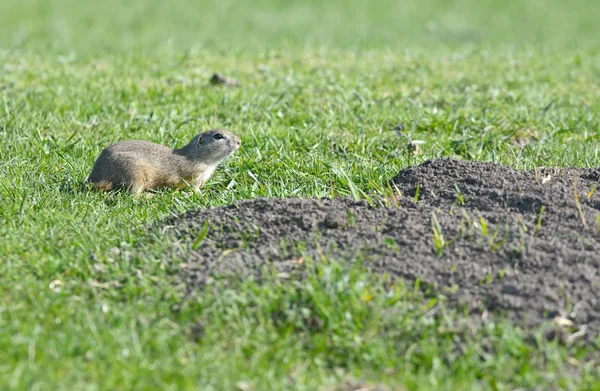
(322, 85)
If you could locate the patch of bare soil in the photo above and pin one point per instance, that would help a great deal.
(522, 243)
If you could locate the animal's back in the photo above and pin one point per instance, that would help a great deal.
(143, 148)
(123, 163)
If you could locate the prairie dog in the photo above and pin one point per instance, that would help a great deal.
(143, 165)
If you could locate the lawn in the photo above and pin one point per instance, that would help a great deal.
(322, 84)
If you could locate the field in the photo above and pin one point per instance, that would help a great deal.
(481, 256)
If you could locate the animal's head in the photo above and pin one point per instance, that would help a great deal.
(215, 145)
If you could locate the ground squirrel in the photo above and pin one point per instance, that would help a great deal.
(143, 165)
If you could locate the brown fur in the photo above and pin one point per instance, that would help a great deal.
(142, 165)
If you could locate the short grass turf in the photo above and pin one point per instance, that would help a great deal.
(322, 84)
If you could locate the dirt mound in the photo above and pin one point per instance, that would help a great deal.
(525, 243)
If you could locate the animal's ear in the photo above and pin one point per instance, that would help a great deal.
(200, 141)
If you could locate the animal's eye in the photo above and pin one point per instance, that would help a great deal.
(218, 136)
